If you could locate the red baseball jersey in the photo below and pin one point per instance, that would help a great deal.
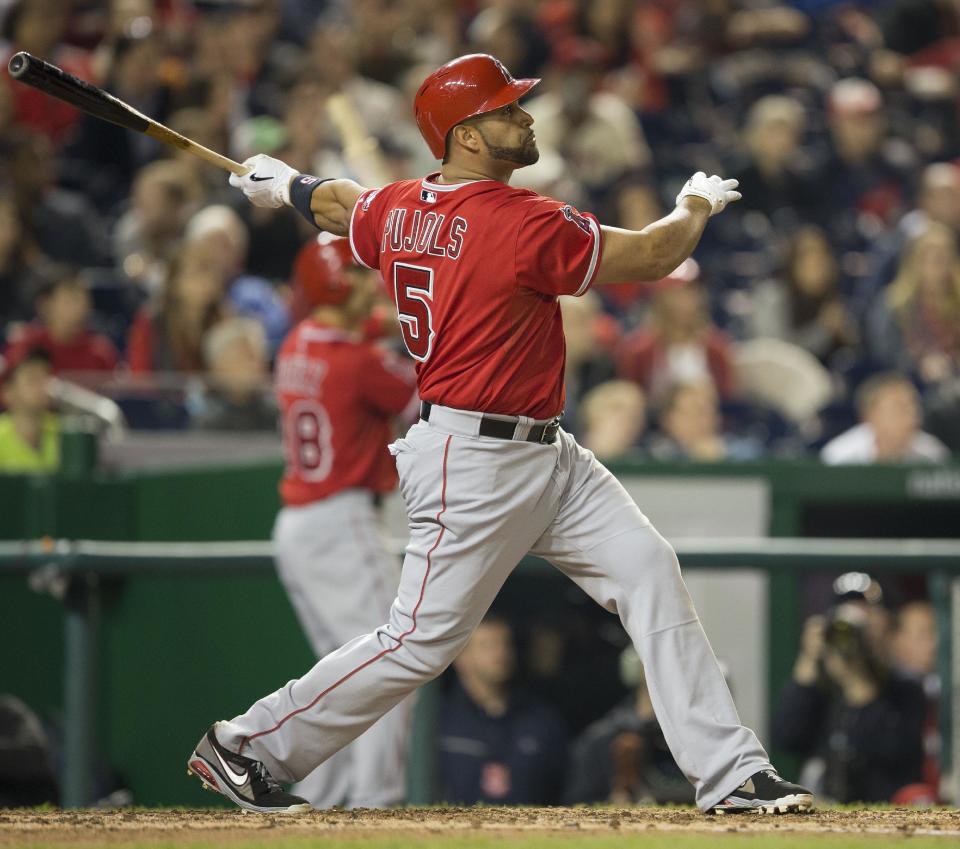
(475, 270)
(337, 395)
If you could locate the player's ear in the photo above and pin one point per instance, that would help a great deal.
(466, 136)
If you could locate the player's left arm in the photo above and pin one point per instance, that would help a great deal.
(656, 250)
(328, 204)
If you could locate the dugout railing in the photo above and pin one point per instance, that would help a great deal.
(81, 575)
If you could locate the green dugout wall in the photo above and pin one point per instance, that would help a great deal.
(167, 648)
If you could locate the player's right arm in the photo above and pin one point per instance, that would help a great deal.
(656, 250)
(272, 183)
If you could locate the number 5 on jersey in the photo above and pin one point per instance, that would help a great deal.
(413, 286)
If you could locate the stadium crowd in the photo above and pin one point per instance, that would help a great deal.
(132, 262)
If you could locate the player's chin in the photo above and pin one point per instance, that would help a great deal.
(528, 154)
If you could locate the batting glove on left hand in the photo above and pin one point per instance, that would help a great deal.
(267, 182)
(716, 191)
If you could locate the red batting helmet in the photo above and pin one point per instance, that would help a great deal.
(320, 274)
(467, 86)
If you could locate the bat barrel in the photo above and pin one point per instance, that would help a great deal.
(29, 70)
(17, 66)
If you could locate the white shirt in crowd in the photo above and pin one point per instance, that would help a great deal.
(858, 445)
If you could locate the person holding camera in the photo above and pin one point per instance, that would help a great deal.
(856, 721)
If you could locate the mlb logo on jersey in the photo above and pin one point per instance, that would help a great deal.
(369, 199)
(426, 196)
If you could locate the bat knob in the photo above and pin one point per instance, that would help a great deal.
(17, 63)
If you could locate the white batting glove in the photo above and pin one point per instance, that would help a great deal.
(717, 192)
(267, 182)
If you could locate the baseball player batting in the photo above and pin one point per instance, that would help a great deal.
(328, 541)
(487, 475)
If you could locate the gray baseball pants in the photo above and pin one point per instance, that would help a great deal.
(476, 507)
(341, 579)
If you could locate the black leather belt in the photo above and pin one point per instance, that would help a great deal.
(545, 434)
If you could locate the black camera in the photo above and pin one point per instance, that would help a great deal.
(846, 631)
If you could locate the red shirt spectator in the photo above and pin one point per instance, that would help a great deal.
(679, 344)
(84, 352)
(170, 336)
(63, 306)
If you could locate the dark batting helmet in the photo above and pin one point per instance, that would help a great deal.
(466, 86)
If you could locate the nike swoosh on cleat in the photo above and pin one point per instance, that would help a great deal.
(230, 773)
(257, 179)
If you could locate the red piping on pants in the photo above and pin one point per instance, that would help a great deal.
(400, 639)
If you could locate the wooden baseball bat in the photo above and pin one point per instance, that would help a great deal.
(88, 98)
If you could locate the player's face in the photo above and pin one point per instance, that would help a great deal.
(508, 135)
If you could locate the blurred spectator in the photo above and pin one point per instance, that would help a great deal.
(101, 158)
(498, 745)
(169, 335)
(508, 32)
(865, 170)
(622, 758)
(219, 235)
(590, 336)
(148, 234)
(29, 431)
(679, 343)
(15, 259)
(595, 132)
(207, 183)
(614, 419)
(913, 654)
(238, 396)
(854, 718)
(64, 310)
(636, 204)
(804, 306)
(776, 177)
(889, 429)
(913, 643)
(62, 224)
(915, 325)
(690, 428)
(943, 414)
(938, 201)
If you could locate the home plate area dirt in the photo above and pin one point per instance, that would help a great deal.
(222, 827)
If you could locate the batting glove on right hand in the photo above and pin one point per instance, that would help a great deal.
(717, 192)
(267, 181)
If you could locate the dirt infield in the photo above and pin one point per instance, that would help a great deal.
(31, 828)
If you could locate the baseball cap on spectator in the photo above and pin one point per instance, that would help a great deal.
(854, 96)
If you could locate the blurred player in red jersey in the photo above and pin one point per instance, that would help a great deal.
(338, 396)
(488, 475)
